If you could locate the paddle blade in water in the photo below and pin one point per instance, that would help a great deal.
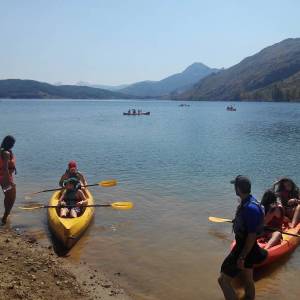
(219, 220)
(31, 208)
(122, 205)
(108, 183)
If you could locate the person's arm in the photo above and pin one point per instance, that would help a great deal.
(293, 202)
(82, 199)
(253, 219)
(83, 180)
(6, 175)
(62, 179)
(61, 199)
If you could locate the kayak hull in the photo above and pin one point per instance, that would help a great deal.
(287, 245)
(69, 230)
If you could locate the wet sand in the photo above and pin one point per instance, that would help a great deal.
(29, 270)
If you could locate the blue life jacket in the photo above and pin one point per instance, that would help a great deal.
(239, 222)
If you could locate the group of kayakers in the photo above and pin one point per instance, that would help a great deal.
(230, 108)
(72, 199)
(256, 221)
(134, 111)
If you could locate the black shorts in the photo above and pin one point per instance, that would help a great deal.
(255, 256)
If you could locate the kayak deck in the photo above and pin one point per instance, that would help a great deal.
(69, 230)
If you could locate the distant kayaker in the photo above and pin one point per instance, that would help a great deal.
(7, 169)
(72, 171)
(73, 197)
(247, 225)
(288, 193)
(274, 218)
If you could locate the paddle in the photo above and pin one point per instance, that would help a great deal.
(105, 183)
(115, 205)
(221, 220)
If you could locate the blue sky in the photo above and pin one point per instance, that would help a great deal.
(123, 41)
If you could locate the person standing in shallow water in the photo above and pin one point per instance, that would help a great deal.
(7, 169)
(247, 225)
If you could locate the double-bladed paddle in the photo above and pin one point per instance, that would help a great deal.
(115, 205)
(221, 220)
(105, 183)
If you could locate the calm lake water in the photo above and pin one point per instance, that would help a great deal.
(175, 165)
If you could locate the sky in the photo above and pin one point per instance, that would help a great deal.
(123, 41)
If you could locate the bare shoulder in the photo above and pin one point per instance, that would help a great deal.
(6, 155)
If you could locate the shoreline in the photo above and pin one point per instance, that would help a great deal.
(29, 270)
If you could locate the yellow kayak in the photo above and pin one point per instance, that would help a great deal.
(69, 230)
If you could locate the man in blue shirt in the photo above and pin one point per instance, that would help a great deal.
(247, 226)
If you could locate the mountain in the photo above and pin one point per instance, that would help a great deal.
(103, 86)
(30, 89)
(178, 82)
(271, 74)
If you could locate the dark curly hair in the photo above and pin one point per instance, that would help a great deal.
(268, 198)
(278, 188)
(8, 142)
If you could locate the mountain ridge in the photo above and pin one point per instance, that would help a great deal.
(256, 77)
(32, 89)
(179, 81)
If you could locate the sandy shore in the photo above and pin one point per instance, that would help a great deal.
(29, 270)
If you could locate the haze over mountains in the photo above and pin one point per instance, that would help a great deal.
(177, 82)
(271, 74)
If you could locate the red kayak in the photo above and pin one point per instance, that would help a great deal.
(287, 245)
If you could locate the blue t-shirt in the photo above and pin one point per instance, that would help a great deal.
(253, 215)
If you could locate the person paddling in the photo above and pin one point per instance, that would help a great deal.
(72, 172)
(247, 226)
(72, 199)
(7, 169)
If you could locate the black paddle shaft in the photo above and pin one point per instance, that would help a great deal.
(69, 206)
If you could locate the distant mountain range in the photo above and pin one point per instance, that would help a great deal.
(271, 74)
(30, 89)
(103, 86)
(177, 82)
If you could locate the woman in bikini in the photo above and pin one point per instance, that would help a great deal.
(7, 169)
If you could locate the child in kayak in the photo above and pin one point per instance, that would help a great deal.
(72, 172)
(73, 197)
(274, 218)
(288, 193)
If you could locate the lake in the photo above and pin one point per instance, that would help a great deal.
(175, 165)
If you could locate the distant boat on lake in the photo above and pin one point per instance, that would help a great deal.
(230, 108)
(134, 112)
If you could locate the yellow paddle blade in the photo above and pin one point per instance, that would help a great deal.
(108, 183)
(219, 220)
(31, 208)
(122, 205)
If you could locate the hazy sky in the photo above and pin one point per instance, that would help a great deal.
(122, 41)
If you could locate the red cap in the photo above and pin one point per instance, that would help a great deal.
(72, 164)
